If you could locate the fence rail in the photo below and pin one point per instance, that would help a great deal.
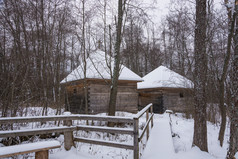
(69, 128)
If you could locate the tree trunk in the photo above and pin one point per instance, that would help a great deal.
(85, 85)
(200, 125)
(233, 147)
(116, 69)
(223, 77)
(223, 113)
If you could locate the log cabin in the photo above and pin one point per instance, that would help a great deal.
(94, 81)
(166, 89)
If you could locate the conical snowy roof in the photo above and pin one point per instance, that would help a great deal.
(97, 68)
(164, 77)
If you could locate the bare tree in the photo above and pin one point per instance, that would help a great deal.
(34, 51)
(222, 80)
(116, 68)
(233, 108)
(200, 125)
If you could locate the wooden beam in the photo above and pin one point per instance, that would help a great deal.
(14, 133)
(104, 143)
(114, 119)
(42, 154)
(106, 129)
(11, 120)
(10, 151)
(140, 113)
(145, 128)
(136, 141)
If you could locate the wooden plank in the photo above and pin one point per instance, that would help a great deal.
(63, 117)
(140, 113)
(136, 141)
(151, 111)
(68, 136)
(106, 129)
(104, 143)
(38, 131)
(114, 119)
(11, 120)
(145, 128)
(42, 154)
(28, 148)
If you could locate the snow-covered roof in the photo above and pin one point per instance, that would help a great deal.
(97, 68)
(164, 77)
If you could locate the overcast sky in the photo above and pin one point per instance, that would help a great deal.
(162, 8)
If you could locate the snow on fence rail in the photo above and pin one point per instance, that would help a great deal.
(68, 128)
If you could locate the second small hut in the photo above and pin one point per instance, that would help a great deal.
(166, 89)
(95, 75)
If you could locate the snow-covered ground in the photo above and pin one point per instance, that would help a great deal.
(182, 129)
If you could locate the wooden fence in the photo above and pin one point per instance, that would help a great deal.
(69, 128)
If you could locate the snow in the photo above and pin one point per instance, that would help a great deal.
(183, 130)
(97, 68)
(164, 77)
(28, 147)
(72, 154)
(160, 142)
(67, 113)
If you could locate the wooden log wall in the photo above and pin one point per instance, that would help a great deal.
(178, 100)
(127, 97)
(99, 95)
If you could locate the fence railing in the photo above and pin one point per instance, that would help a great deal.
(69, 128)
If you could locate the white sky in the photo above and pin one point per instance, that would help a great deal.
(162, 8)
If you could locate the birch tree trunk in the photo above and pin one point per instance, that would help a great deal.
(200, 126)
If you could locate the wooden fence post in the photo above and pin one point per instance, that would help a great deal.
(151, 111)
(147, 129)
(136, 140)
(68, 136)
(42, 154)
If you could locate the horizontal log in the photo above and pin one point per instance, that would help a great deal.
(10, 151)
(140, 113)
(114, 119)
(11, 120)
(104, 143)
(106, 129)
(39, 131)
(144, 129)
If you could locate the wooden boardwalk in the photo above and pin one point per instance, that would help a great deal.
(160, 143)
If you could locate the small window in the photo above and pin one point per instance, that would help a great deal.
(181, 95)
(75, 91)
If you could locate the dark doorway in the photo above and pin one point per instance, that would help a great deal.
(158, 105)
(76, 104)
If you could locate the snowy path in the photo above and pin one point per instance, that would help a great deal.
(160, 143)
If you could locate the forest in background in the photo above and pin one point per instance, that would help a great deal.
(44, 40)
